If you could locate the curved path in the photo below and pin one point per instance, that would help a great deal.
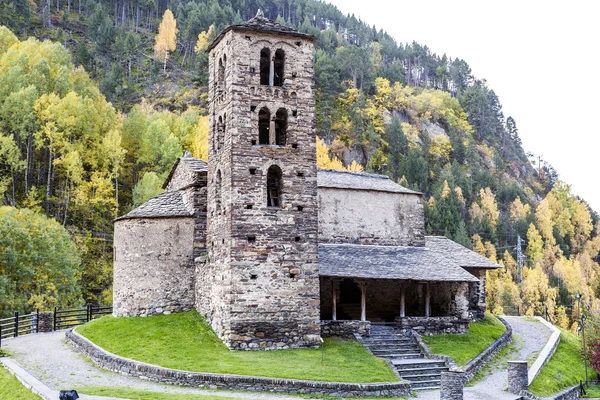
(529, 338)
(47, 357)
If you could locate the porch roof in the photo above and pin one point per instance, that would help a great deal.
(390, 262)
(459, 254)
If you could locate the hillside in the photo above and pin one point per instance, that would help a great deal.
(382, 106)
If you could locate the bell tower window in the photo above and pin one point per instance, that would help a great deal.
(264, 121)
(274, 186)
(281, 119)
(265, 66)
(278, 66)
(221, 75)
(218, 192)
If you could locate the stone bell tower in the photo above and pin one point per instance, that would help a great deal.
(260, 285)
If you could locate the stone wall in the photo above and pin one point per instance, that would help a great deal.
(370, 217)
(345, 329)
(115, 363)
(153, 266)
(477, 293)
(45, 321)
(184, 176)
(261, 275)
(434, 325)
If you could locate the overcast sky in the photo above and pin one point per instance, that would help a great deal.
(540, 57)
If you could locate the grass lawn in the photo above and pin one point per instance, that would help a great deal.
(592, 392)
(464, 347)
(11, 388)
(133, 394)
(564, 369)
(185, 341)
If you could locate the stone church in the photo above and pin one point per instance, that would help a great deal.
(271, 250)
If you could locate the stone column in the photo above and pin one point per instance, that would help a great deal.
(45, 321)
(517, 376)
(272, 131)
(427, 300)
(334, 291)
(461, 301)
(363, 299)
(451, 385)
(402, 302)
(272, 72)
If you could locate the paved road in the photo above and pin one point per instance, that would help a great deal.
(529, 338)
(47, 357)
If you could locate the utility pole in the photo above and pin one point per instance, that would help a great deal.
(519, 258)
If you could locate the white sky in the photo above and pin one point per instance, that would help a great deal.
(540, 57)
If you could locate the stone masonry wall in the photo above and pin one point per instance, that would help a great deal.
(184, 176)
(370, 217)
(153, 266)
(262, 270)
(345, 329)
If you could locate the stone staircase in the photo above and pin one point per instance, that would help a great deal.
(405, 355)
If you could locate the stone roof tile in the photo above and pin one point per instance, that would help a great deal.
(458, 253)
(359, 180)
(165, 205)
(261, 24)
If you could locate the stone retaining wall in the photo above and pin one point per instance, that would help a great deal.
(115, 363)
(434, 325)
(345, 329)
(546, 352)
(568, 394)
(485, 356)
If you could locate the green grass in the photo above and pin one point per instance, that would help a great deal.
(11, 388)
(185, 341)
(592, 392)
(564, 369)
(134, 394)
(464, 347)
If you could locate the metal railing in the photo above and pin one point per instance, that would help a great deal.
(64, 319)
(19, 325)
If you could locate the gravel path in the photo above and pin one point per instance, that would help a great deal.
(47, 357)
(529, 338)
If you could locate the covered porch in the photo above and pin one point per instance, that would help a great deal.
(411, 287)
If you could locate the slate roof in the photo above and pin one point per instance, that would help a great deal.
(389, 262)
(195, 164)
(359, 180)
(261, 24)
(165, 205)
(458, 253)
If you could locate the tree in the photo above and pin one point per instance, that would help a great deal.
(165, 40)
(40, 263)
(148, 187)
(204, 39)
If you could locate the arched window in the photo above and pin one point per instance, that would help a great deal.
(274, 186)
(265, 66)
(281, 119)
(264, 121)
(278, 66)
(221, 75)
(218, 192)
(220, 132)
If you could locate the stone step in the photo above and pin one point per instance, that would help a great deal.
(406, 356)
(401, 350)
(383, 346)
(422, 377)
(388, 340)
(417, 371)
(425, 384)
(419, 363)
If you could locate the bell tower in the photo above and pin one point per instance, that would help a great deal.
(260, 285)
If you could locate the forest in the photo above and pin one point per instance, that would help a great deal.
(98, 99)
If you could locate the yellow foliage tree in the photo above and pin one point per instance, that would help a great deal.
(535, 245)
(324, 160)
(166, 39)
(204, 39)
(200, 139)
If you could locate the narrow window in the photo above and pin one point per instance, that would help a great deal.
(264, 120)
(279, 62)
(220, 130)
(221, 70)
(265, 66)
(218, 191)
(274, 186)
(281, 126)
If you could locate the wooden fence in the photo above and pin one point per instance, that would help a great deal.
(19, 325)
